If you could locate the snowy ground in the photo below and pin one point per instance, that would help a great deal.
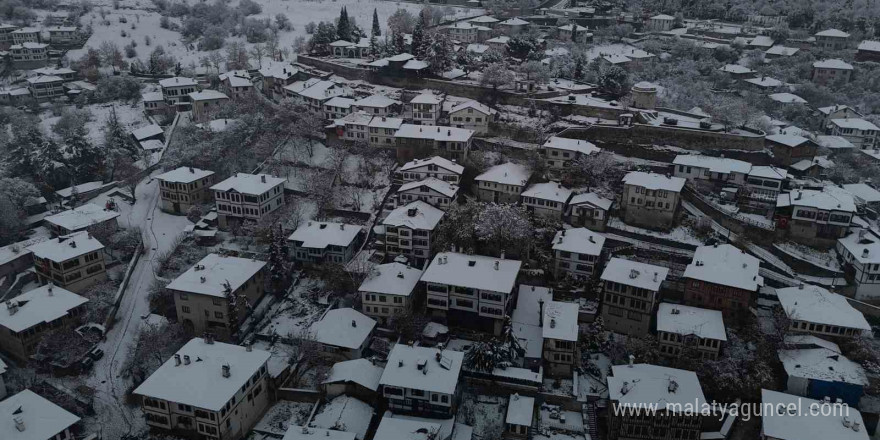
(294, 314)
(344, 413)
(484, 413)
(681, 234)
(826, 259)
(131, 116)
(282, 415)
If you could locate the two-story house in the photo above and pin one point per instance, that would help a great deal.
(513, 26)
(206, 103)
(409, 229)
(502, 183)
(631, 291)
(245, 197)
(789, 423)
(472, 115)
(520, 417)
(63, 35)
(342, 334)
(424, 109)
(832, 39)
(29, 316)
(859, 132)
(559, 328)
(338, 107)
(714, 171)
(473, 291)
(861, 262)
(418, 141)
(356, 127)
(207, 389)
(762, 188)
(82, 218)
(467, 32)
(184, 187)
(836, 111)
(821, 373)
(681, 327)
(325, 242)
(46, 87)
(573, 32)
(389, 290)
(650, 200)
(237, 84)
(789, 149)
(561, 153)
(548, 200)
(26, 35)
(382, 129)
(816, 311)
(277, 75)
(588, 209)
(176, 92)
(73, 262)
(422, 380)
(315, 92)
(576, 253)
(438, 193)
(435, 166)
(216, 294)
(826, 72)
(29, 53)
(722, 277)
(32, 417)
(816, 217)
(377, 105)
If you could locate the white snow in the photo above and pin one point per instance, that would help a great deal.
(644, 384)
(822, 364)
(560, 321)
(576, 145)
(473, 271)
(441, 186)
(42, 419)
(436, 133)
(552, 191)
(375, 101)
(344, 413)
(817, 305)
(725, 265)
(855, 124)
(177, 81)
(714, 164)
(520, 410)
(208, 276)
(359, 371)
(801, 423)
(686, 320)
(768, 172)
(591, 198)
(346, 328)
(425, 218)
(39, 306)
(391, 279)
(426, 98)
(506, 174)
(834, 142)
(832, 64)
(787, 98)
(810, 341)
(402, 369)
(319, 235)
(206, 95)
(782, 50)
(864, 248)
(438, 161)
(824, 200)
(81, 217)
(654, 181)
(526, 318)
(184, 175)
(61, 249)
(579, 240)
(736, 68)
(635, 273)
(400, 428)
(147, 131)
(201, 383)
(253, 184)
(303, 433)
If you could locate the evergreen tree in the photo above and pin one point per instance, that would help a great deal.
(83, 158)
(578, 68)
(343, 28)
(440, 54)
(398, 43)
(574, 32)
(418, 38)
(23, 147)
(118, 146)
(277, 258)
(377, 31)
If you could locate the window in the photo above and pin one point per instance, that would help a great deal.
(185, 309)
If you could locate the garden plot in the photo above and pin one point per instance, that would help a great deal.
(282, 415)
(292, 315)
(486, 414)
(130, 116)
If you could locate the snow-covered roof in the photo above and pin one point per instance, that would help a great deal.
(473, 104)
(441, 162)
(484, 19)
(401, 57)
(237, 78)
(645, 86)
(789, 140)
(515, 21)
(320, 90)
(552, 191)
(501, 39)
(27, 30)
(38, 306)
(201, 383)
(44, 79)
(306, 433)
(406, 428)
(834, 142)
(725, 265)
(184, 175)
(520, 410)
(425, 217)
(441, 186)
(810, 341)
(576, 145)
(768, 172)
(16, 250)
(825, 200)
(346, 327)
(42, 419)
(782, 51)
(855, 123)
(65, 247)
(864, 246)
(787, 98)
(380, 101)
(81, 217)
(870, 46)
(345, 413)
(714, 164)
(560, 321)
(278, 70)
(356, 118)
(654, 181)
(764, 81)
(391, 279)
(818, 161)
(832, 64)
(416, 65)
(635, 273)
(469, 25)
(645, 384)
(477, 48)
(616, 58)
(56, 71)
(528, 300)
(793, 419)
(591, 198)
(422, 368)
(761, 41)
(817, 305)
(686, 320)
(206, 95)
(81, 188)
(579, 240)
(474, 271)
(569, 27)
(736, 68)
(253, 184)
(359, 371)
(152, 97)
(147, 131)
(177, 81)
(832, 33)
(208, 276)
(508, 173)
(426, 98)
(663, 17)
(339, 101)
(319, 235)
(385, 122)
(437, 133)
(822, 364)
(29, 45)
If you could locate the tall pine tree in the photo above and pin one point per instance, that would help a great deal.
(83, 158)
(377, 32)
(398, 43)
(118, 146)
(418, 38)
(343, 28)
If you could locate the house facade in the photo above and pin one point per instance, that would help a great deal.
(815, 311)
(681, 328)
(435, 166)
(29, 316)
(651, 200)
(389, 290)
(409, 229)
(247, 197)
(422, 381)
(631, 291)
(860, 251)
(182, 188)
(722, 277)
(74, 262)
(502, 183)
(816, 217)
(325, 242)
(576, 253)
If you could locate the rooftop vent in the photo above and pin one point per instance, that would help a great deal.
(19, 423)
(323, 226)
(472, 263)
(186, 359)
(676, 311)
(552, 322)
(673, 386)
(225, 370)
(633, 274)
(354, 323)
(203, 279)
(496, 265)
(176, 360)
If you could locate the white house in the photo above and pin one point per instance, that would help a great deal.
(559, 329)
(338, 107)
(343, 334)
(861, 255)
(471, 290)
(680, 326)
(325, 242)
(424, 109)
(245, 197)
(389, 290)
(561, 153)
(315, 92)
(762, 188)
(409, 229)
(425, 140)
(434, 166)
(81, 218)
(472, 115)
(382, 130)
(237, 84)
(589, 209)
(548, 199)
(502, 183)
(817, 216)
(74, 261)
(861, 133)
(29, 416)
(814, 310)
(716, 170)
(821, 372)
(832, 39)
(377, 105)
(831, 71)
(176, 91)
(436, 192)
(651, 199)
(661, 23)
(576, 253)
(631, 291)
(29, 316)
(208, 388)
(421, 380)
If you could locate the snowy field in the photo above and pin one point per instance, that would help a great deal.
(130, 116)
(143, 20)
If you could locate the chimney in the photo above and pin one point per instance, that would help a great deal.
(411, 212)
(400, 275)
(263, 178)
(801, 286)
(552, 322)
(655, 277)
(354, 323)
(19, 423)
(73, 244)
(864, 254)
(496, 265)
(191, 170)
(225, 370)
(49, 288)
(176, 360)
(248, 347)
(203, 279)
(541, 312)
(591, 239)
(632, 359)
(342, 226)
(209, 338)
(186, 359)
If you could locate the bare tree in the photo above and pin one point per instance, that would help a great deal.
(304, 355)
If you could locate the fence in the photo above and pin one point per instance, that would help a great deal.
(111, 317)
